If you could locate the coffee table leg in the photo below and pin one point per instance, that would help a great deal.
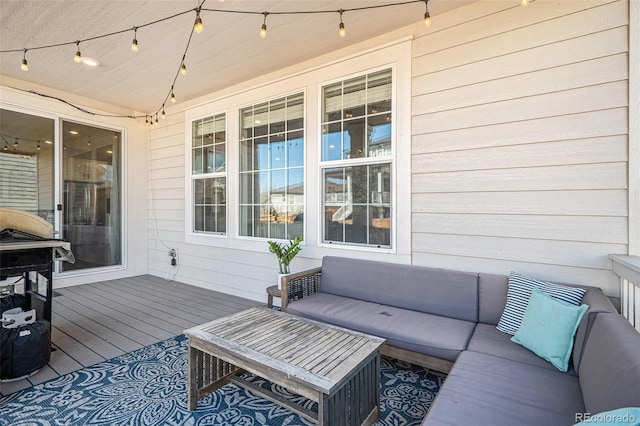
(192, 379)
(323, 409)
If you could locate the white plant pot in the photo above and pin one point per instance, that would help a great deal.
(280, 280)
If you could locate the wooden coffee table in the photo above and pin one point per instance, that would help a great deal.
(336, 367)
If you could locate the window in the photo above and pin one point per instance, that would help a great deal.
(272, 168)
(356, 160)
(208, 174)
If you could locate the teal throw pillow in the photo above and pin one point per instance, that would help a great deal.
(628, 416)
(548, 328)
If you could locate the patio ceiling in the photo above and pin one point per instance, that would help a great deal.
(228, 51)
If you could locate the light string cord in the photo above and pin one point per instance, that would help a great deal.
(197, 10)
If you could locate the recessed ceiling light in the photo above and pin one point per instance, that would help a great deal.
(109, 152)
(258, 121)
(73, 132)
(90, 62)
(48, 142)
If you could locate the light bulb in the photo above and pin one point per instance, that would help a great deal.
(78, 58)
(183, 69)
(524, 2)
(156, 118)
(263, 31)
(163, 115)
(427, 19)
(146, 120)
(198, 27)
(38, 147)
(24, 66)
(134, 43)
(173, 98)
(342, 32)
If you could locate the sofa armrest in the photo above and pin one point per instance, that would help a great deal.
(299, 285)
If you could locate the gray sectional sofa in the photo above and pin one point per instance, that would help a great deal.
(446, 320)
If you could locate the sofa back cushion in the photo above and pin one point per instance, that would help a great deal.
(435, 291)
(610, 368)
(492, 297)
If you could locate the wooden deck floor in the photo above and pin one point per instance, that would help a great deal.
(95, 322)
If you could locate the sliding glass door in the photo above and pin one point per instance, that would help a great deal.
(91, 195)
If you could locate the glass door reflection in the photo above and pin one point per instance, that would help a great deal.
(92, 195)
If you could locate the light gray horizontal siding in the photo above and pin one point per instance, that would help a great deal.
(520, 140)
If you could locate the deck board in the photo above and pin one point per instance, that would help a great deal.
(95, 322)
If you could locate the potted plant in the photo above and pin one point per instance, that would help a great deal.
(285, 252)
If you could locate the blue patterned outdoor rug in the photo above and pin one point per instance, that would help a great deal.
(149, 387)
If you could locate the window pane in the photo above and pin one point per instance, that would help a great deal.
(271, 153)
(379, 137)
(220, 157)
(359, 111)
(197, 160)
(354, 98)
(295, 112)
(332, 103)
(357, 205)
(246, 188)
(210, 205)
(354, 138)
(208, 157)
(332, 142)
(247, 157)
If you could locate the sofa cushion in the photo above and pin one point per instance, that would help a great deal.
(483, 389)
(610, 366)
(486, 339)
(519, 292)
(492, 297)
(548, 328)
(428, 334)
(448, 293)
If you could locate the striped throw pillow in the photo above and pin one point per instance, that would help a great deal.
(519, 292)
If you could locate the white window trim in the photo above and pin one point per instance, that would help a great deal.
(395, 53)
(236, 165)
(189, 220)
(397, 173)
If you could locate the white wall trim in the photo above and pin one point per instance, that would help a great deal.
(634, 127)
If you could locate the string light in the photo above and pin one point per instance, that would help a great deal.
(427, 16)
(263, 30)
(524, 2)
(134, 43)
(38, 146)
(25, 65)
(197, 26)
(78, 58)
(146, 120)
